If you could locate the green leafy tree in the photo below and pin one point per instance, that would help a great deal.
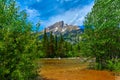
(17, 43)
(102, 33)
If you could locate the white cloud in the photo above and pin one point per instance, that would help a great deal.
(73, 16)
(62, 1)
(38, 0)
(67, 0)
(33, 14)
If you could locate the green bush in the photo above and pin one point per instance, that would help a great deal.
(113, 65)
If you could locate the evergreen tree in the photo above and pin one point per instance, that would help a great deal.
(51, 46)
(66, 48)
(56, 45)
(45, 43)
(61, 38)
(61, 50)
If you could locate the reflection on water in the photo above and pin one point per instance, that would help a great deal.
(61, 63)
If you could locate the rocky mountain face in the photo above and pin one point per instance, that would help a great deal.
(61, 27)
(70, 33)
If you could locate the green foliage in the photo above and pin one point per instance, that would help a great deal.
(56, 46)
(17, 43)
(113, 65)
(51, 45)
(101, 39)
(45, 44)
(69, 54)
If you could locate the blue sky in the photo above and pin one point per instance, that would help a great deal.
(51, 11)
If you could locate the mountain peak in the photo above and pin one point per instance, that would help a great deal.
(57, 24)
(61, 27)
(70, 33)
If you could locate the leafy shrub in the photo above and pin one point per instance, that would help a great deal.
(113, 65)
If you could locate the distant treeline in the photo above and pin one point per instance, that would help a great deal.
(55, 46)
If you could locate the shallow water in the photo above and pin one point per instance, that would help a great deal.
(61, 63)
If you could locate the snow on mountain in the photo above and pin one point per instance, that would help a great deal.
(61, 27)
